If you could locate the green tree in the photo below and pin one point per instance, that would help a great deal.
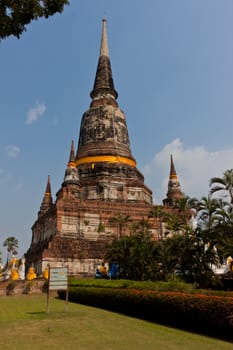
(120, 220)
(191, 256)
(144, 226)
(206, 210)
(186, 203)
(136, 256)
(175, 224)
(223, 230)
(118, 252)
(158, 214)
(134, 225)
(224, 184)
(173, 255)
(186, 207)
(208, 216)
(11, 243)
(16, 15)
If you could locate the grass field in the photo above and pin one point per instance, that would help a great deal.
(24, 324)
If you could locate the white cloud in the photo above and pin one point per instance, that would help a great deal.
(35, 113)
(12, 151)
(195, 166)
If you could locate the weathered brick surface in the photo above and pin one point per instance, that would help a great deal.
(68, 233)
(101, 182)
(22, 287)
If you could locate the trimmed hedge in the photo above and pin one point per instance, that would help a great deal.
(194, 312)
(173, 285)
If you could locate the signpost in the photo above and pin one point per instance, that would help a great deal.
(58, 280)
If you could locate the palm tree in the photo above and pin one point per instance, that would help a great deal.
(224, 184)
(158, 214)
(134, 226)
(187, 255)
(216, 224)
(120, 220)
(185, 203)
(11, 243)
(187, 207)
(136, 256)
(224, 212)
(206, 210)
(119, 252)
(175, 224)
(224, 230)
(144, 226)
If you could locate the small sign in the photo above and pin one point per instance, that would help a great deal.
(58, 280)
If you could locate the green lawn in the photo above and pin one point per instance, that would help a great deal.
(24, 324)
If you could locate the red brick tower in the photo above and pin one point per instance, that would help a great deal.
(174, 191)
(107, 169)
(101, 182)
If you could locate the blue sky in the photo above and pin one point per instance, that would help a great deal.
(172, 63)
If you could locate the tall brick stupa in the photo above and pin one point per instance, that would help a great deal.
(101, 182)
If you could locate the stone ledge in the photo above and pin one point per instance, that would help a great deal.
(9, 287)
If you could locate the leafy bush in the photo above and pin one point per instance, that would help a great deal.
(173, 285)
(194, 312)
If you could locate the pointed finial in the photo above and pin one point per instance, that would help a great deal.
(71, 173)
(104, 85)
(47, 200)
(104, 40)
(72, 155)
(48, 187)
(172, 169)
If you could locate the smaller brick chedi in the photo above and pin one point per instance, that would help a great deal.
(101, 182)
(174, 191)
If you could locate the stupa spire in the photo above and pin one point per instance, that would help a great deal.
(172, 168)
(104, 40)
(174, 190)
(47, 200)
(48, 192)
(71, 173)
(104, 85)
(72, 155)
